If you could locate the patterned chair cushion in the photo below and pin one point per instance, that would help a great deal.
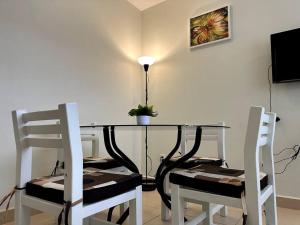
(100, 163)
(97, 185)
(196, 161)
(214, 179)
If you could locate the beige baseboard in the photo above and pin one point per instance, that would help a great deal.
(10, 215)
(288, 202)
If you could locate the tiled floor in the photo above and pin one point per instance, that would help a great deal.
(151, 214)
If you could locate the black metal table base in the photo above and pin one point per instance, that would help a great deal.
(148, 184)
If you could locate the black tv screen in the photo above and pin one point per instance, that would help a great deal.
(285, 47)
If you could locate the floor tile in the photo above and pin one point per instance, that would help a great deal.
(151, 214)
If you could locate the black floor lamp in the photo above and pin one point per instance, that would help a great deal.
(146, 61)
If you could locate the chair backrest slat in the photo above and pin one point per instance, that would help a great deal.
(42, 129)
(266, 118)
(264, 130)
(211, 134)
(208, 134)
(95, 140)
(263, 140)
(209, 137)
(41, 115)
(89, 137)
(43, 142)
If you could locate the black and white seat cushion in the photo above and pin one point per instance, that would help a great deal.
(103, 163)
(97, 185)
(214, 179)
(196, 161)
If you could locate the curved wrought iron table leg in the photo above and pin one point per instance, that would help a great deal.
(112, 153)
(164, 170)
(120, 152)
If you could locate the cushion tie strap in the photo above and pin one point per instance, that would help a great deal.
(16, 188)
(66, 209)
(8, 197)
(58, 165)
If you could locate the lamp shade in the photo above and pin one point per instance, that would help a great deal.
(146, 60)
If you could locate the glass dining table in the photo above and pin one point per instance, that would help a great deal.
(116, 153)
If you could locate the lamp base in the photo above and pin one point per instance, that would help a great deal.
(148, 184)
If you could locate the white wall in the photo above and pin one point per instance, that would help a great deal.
(220, 82)
(85, 51)
(60, 51)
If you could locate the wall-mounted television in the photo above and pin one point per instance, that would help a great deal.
(285, 47)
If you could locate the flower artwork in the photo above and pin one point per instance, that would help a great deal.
(210, 27)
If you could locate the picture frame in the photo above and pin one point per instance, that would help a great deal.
(210, 27)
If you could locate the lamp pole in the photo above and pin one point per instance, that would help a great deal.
(146, 61)
(146, 67)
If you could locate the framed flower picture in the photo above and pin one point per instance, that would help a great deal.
(210, 27)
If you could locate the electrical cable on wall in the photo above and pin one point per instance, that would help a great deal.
(150, 170)
(288, 159)
(295, 149)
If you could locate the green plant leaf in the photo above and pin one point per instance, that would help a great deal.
(143, 111)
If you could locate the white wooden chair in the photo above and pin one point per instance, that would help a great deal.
(44, 136)
(98, 159)
(101, 162)
(95, 160)
(94, 139)
(224, 188)
(208, 135)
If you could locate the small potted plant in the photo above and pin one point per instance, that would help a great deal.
(143, 114)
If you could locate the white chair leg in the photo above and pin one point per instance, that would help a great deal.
(165, 215)
(22, 213)
(271, 210)
(223, 211)
(177, 206)
(136, 208)
(75, 217)
(254, 215)
(207, 207)
(165, 212)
